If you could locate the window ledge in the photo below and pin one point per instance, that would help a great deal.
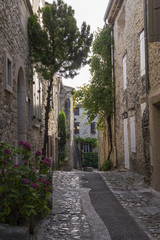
(8, 88)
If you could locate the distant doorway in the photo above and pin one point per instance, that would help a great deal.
(21, 107)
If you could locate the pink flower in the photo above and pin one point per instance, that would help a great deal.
(47, 163)
(4, 161)
(27, 146)
(34, 185)
(7, 151)
(21, 143)
(44, 181)
(25, 180)
(16, 165)
(38, 153)
(26, 163)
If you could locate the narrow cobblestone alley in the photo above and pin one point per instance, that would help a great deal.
(82, 209)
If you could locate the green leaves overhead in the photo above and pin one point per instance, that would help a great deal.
(97, 97)
(58, 46)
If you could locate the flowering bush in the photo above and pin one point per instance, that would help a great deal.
(25, 188)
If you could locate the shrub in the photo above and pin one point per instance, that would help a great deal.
(25, 187)
(62, 134)
(107, 165)
(90, 159)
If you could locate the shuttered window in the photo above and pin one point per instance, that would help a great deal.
(142, 53)
(154, 20)
(93, 128)
(37, 99)
(133, 134)
(124, 72)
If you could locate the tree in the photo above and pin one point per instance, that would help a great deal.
(62, 134)
(58, 46)
(97, 98)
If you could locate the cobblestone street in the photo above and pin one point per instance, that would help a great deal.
(73, 216)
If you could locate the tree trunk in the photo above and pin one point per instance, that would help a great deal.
(47, 110)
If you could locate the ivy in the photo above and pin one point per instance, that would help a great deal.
(92, 141)
(57, 47)
(97, 98)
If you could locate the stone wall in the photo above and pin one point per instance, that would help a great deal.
(154, 110)
(66, 103)
(13, 46)
(132, 101)
(16, 96)
(104, 145)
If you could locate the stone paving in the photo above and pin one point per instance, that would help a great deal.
(141, 201)
(69, 220)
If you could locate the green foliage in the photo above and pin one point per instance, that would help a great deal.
(24, 190)
(59, 46)
(90, 159)
(107, 165)
(97, 98)
(62, 134)
(92, 141)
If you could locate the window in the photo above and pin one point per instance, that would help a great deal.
(86, 147)
(9, 68)
(142, 54)
(76, 111)
(29, 112)
(76, 127)
(93, 128)
(154, 20)
(37, 99)
(133, 134)
(124, 73)
(8, 75)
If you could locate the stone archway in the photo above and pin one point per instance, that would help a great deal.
(21, 106)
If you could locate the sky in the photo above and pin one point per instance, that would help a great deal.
(92, 12)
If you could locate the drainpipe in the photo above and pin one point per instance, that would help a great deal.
(146, 45)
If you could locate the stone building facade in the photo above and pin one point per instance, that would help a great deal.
(153, 24)
(81, 126)
(15, 87)
(22, 99)
(131, 100)
(136, 31)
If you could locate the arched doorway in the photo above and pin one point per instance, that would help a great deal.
(21, 107)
